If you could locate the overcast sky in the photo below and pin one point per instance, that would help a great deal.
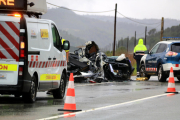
(139, 9)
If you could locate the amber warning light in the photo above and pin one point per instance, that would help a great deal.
(15, 15)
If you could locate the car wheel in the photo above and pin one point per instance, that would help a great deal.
(161, 76)
(143, 73)
(30, 97)
(59, 93)
(127, 77)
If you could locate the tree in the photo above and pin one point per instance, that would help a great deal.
(152, 32)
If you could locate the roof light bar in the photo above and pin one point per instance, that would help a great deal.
(171, 38)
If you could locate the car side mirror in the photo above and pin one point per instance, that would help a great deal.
(66, 45)
(147, 52)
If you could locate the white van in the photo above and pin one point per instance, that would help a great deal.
(32, 57)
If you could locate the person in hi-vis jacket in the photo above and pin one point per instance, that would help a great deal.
(139, 50)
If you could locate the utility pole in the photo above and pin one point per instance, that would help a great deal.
(162, 28)
(145, 34)
(115, 29)
(135, 40)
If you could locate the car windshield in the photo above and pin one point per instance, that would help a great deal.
(175, 47)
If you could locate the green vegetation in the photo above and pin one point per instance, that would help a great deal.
(153, 37)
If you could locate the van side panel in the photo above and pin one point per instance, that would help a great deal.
(46, 54)
(39, 51)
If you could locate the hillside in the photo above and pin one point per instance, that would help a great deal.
(74, 41)
(167, 22)
(98, 30)
(153, 37)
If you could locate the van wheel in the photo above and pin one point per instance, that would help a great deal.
(59, 93)
(30, 97)
(143, 73)
(161, 76)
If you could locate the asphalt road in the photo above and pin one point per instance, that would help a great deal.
(128, 100)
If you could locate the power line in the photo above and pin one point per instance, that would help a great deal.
(157, 25)
(79, 10)
(101, 12)
(137, 21)
(154, 28)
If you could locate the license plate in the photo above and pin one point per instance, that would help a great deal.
(2, 76)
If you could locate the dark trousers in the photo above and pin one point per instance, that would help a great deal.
(138, 63)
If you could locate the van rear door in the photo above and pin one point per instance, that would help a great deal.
(9, 49)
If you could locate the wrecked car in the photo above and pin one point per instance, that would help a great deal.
(86, 63)
(91, 65)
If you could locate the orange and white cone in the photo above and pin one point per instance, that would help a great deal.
(70, 104)
(171, 84)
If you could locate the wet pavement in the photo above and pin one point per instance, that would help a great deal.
(90, 97)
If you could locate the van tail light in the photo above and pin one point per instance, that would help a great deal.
(20, 71)
(22, 47)
(171, 54)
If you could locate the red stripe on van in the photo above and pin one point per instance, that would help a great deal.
(13, 41)
(30, 65)
(2, 55)
(34, 64)
(40, 64)
(13, 27)
(37, 64)
(58, 63)
(46, 65)
(43, 64)
(63, 63)
(9, 50)
(52, 63)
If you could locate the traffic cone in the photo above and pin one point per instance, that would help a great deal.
(171, 84)
(70, 104)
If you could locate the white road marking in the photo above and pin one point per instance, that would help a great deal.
(105, 107)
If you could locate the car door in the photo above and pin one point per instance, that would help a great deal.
(159, 55)
(150, 57)
(57, 57)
